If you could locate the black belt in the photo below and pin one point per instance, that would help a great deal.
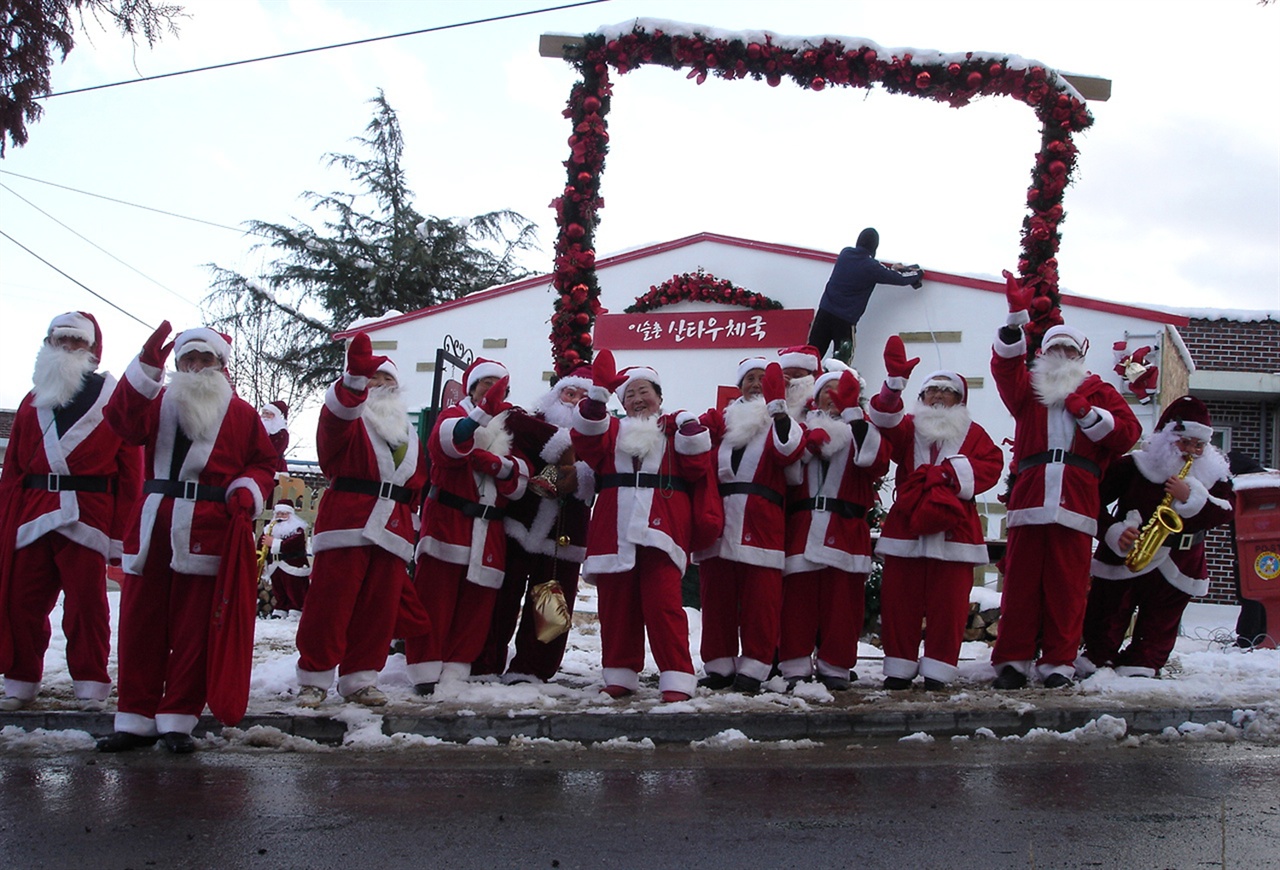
(1066, 457)
(470, 508)
(750, 488)
(70, 482)
(185, 489)
(642, 480)
(1184, 541)
(380, 488)
(837, 506)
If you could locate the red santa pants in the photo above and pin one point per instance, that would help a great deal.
(740, 601)
(822, 610)
(41, 569)
(290, 590)
(1046, 586)
(524, 571)
(460, 613)
(928, 589)
(646, 597)
(351, 610)
(1112, 603)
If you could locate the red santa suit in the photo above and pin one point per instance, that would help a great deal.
(462, 552)
(928, 562)
(640, 534)
(173, 547)
(741, 572)
(363, 538)
(1178, 572)
(828, 549)
(1053, 506)
(287, 567)
(66, 488)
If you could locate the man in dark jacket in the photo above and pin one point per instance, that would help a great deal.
(855, 275)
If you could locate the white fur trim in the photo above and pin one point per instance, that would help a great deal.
(147, 380)
(897, 383)
(692, 445)
(136, 723)
(636, 373)
(750, 364)
(480, 416)
(201, 338)
(903, 669)
(677, 681)
(624, 677)
(489, 369)
(963, 470)
(319, 679)
(932, 669)
(776, 407)
(355, 383)
(1018, 318)
(598, 394)
(1100, 428)
(335, 405)
(556, 445)
(1010, 351)
(249, 484)
(806, 361)
(1196, 500)
(849, 415)
(1134, 671)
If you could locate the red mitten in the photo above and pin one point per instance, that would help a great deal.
(485, 462)
(494, 401)
(815, 440)
(896, 364)
(1018, 296)
(154, 350)
(241, 501)
(361, 361)
(604, 371)
(1078, 406)
(847, 391)
(774, 385)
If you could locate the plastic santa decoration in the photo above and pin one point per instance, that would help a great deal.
(1137, 369)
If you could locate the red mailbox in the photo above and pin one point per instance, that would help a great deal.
(1258, 544)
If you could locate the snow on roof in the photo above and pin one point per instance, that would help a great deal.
(1256, 480)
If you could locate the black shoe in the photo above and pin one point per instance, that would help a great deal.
(746, 685)
(123, 741)
(1058, 681)
(715, 681)
(835, 684)
(1009, 678)
(896, 684)
(932, 685)
(424, 689)
(178, 743)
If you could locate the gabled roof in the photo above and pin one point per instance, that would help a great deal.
(640, 253)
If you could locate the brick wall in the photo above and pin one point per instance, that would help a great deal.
(1232, 345)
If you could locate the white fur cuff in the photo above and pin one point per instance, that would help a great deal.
(776, 407)
(477, 414)
(1018, 318)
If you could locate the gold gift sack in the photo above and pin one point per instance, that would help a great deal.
(550, 611)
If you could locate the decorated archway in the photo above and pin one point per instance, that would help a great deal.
(955, 79)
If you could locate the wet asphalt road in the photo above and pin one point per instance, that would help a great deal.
(948, 805)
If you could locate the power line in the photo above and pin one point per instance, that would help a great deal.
(89, 241)
(80, 284)
(323, 48)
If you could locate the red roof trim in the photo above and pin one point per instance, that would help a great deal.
(1067, 299)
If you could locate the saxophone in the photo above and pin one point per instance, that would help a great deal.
(1164, 521)
(265, 548)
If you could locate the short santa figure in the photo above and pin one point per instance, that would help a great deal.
(828, 549)
(1200, 498)
(66, 489)
(365, 530)
(754, 440)
(475, 472)
(286, 568)
(207, 458)
(1138, 369)
(648, 466)
(932, 537)
(275, 419)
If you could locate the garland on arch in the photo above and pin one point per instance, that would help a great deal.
(954, 79)
(700, 286)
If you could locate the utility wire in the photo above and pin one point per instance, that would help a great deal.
(80, 284)
(323, 48)
(84, 238)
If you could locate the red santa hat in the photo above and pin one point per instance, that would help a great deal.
(637, 373)
(281, 406)
(579, 376)
(482, 368)
(77, 324)
(202, 339)
(832, 370)
(1065, 335)
(285, 504)
(750, 364)
(388, 367)
(947, 380)
(801, 356)
(1186, 416)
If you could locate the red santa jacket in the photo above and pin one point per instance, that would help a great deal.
(656, 513)
(462, 518)
(537, 522)
(239, 456)
(349, 452)
(288, 551)
(829, 498)
(1058, 492)
(87, 448)
(975, 462)
(752, 487)
(1135, 483)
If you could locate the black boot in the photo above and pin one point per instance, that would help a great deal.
(1009, 678)
(123, 741)
(746, 685)
(715, 681)
(424, 689)
(896, 684)
(178, 743)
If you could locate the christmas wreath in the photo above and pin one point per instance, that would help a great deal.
(955, 79)
(700, 286)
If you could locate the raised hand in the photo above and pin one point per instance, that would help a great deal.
(494, 401)
(361, 361)
(1018, 296)
(774, 386)
(154, 350)
(847, 391)
(896, 364)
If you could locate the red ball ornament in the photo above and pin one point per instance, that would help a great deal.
(974, 80)
(953, 69)
(922, 80)
(773, 79)
(575, 231)
(753, 51)
(585, 339)
(818, 83)
(1057, 167)
(591, 104)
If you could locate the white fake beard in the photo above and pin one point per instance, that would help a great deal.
(640, 436)
(284, 528)
(1160, 459)
(201, 399)
(942, 424)
(59, 375)
(386, 415)
(554, 411)
(1055, 377)
(275, 424)
(840, 432)
(494, 437)
(744, 420)
(798, 393)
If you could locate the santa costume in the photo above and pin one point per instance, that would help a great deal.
(754, 441)
(1137, 484)
(275, 419)
(66, 490)
(475, 471)
(364, 532)
(287, 568)
(932, 537)
(206, 457)
(1069, 426)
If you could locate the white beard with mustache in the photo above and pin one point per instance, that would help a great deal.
(59, 375)
(799, 391)
(554, 411)
(942, 424)
(838, 429)
(1160, 459)
(201, 399)
(744, 420)
(274, 424)
(1055, 377)
(386, 415)
(640, 436)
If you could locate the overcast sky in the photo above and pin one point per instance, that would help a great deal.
(1177, 198)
